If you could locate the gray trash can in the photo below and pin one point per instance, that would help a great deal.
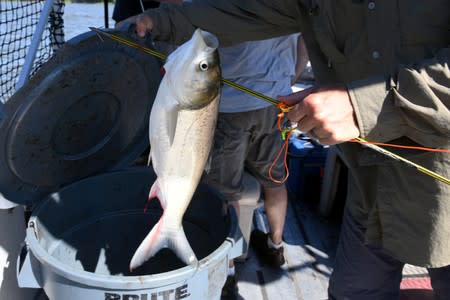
(68, 137)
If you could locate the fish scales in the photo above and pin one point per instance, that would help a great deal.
(181, 130)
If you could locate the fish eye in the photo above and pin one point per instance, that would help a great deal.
(204, 65)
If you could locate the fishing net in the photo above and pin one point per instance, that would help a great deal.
(18, 23)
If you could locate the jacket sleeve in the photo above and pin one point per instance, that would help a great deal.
(232, 21)
(414, 103)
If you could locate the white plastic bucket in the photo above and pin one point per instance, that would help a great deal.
(81, 239)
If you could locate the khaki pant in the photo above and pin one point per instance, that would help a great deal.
(365, 272)
(247, 140)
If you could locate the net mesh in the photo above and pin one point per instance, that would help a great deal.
(18, 20)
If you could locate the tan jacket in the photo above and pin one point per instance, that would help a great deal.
(393, 55)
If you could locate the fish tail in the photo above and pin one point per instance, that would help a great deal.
(146, 249)
(181, 247)
(161, 237)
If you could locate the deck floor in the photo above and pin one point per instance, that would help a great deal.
(309, 243)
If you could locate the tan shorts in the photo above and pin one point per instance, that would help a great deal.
(245, 140)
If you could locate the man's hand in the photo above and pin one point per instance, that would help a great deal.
(144, 24)
(325, 114)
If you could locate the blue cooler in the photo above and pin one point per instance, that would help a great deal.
(306, 163)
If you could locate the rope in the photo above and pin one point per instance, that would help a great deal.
(284, 109)
(285, 134)
(404, 160)
(361, 141)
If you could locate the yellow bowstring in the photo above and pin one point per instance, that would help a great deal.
(404, 160)
(282, 106)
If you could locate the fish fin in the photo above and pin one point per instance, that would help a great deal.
(162, 129)
(160, 237)
(207, 168)
(181, 247)
(155, 192)
(172, 123)
(149, 161)
(149, 246)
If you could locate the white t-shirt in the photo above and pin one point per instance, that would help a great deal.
(265, 66)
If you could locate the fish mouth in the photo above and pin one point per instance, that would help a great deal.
(210, 39)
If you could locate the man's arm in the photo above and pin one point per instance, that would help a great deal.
(415, 104)
(232, 21)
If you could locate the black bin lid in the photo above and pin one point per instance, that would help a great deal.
(85, 111)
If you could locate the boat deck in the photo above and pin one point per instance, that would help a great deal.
(309, 243)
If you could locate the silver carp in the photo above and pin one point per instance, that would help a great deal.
(181, 130)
